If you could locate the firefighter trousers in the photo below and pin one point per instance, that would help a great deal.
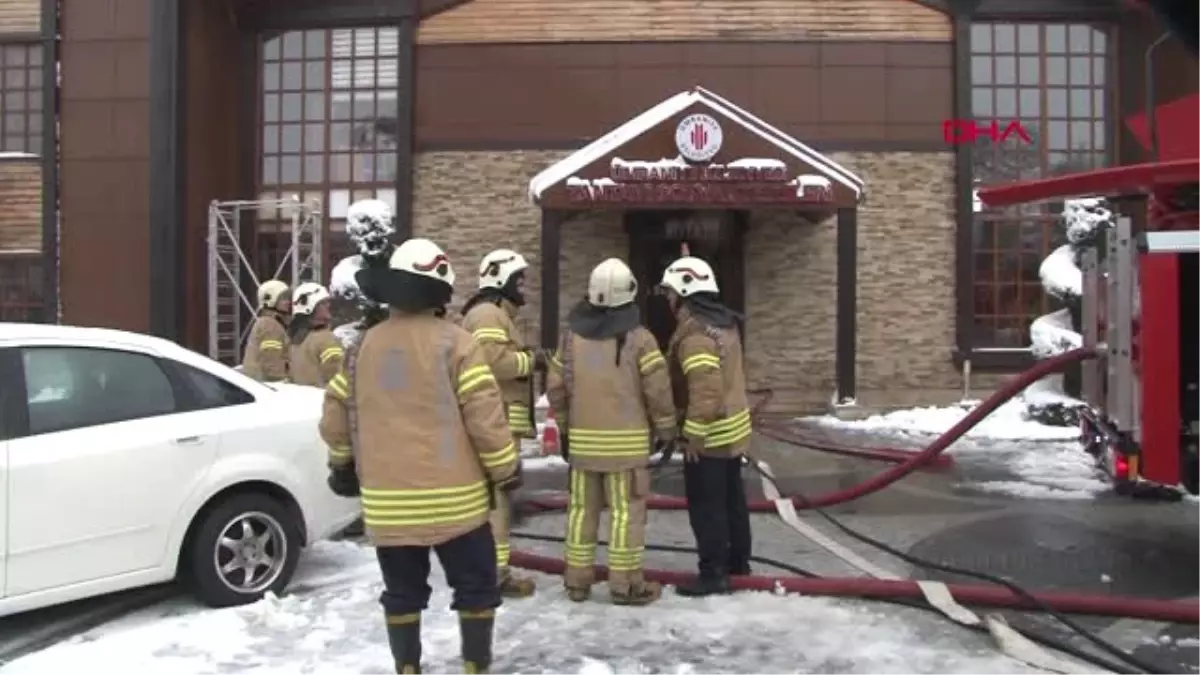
(719, 515)
(625, 493)
(499, 521)
(469, 561)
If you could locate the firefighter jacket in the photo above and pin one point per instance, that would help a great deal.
(609, 406)
(493, 328)
(316, 359)
(266, 358)
(418, 413)
(710, 386)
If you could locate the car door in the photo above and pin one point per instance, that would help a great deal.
(12, 416)
(95, 479)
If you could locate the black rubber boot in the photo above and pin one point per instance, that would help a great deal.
(475, 629)
(404, 637)
(703, 586)
(740, 570)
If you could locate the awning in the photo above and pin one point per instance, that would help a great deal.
(735, 160)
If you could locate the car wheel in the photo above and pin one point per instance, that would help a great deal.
(246, 546)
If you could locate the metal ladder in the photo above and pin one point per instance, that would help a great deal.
(230, 309)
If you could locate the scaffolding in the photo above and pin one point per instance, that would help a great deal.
(230, 272)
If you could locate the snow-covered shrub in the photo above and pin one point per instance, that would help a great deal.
(1055, 333)
(369, 226)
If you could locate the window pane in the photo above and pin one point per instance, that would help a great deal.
(314, 137)
(71, 388)
(290, 138)
(981, 102)
(314, 168)
(270, 170)
(1081, 70)
(271, 77)
(314, 44)
(1056, 70)
(292, 104)
(314, 75)
(1031, 70)
(1056, 136)
(1006, 103)
(271, 108)
(1006, 38)
(210, 391)
(293, 45)
(1081, 103)
(1056, 102)
(1031, 100)
(1080, 39)
(1056, 39)
(981, 38)
(981, 70)
(293, 76)
(314, 106)
(1006, 70)
(289, 169)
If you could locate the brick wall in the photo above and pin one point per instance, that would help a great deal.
(471, 202)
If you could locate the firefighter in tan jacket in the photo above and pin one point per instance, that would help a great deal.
(316, 355)
(266, 357)
(609, 386)
(489, 317)
(709, 382)
(415, 424)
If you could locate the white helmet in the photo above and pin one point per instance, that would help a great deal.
(424, 258)
(612, 284)
(270, 293)
(307, 296)
(497, 268)
(689, 275)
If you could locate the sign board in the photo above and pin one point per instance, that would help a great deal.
(698, 137)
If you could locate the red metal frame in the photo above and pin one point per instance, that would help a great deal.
(1158, 332)
(1158, 324)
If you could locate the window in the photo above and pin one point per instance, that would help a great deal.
(21, 105)
(211, 391)
(21, 287)
(75, 387)
(1054, 79)
(328, 130)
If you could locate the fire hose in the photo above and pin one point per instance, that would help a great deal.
(893, 589)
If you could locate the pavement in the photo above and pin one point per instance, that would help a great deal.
(1107, 545)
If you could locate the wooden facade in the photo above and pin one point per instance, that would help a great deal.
(20, 17)
(160, 102)
(21, 217)
(563, 21)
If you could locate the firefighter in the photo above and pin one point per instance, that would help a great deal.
(709, 382)
(316, 355)
(418, 402)
(489, 317)
(609, 386)
(266, 358)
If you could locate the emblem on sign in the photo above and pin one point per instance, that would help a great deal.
(698, 137)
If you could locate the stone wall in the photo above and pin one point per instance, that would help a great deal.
(471, 202)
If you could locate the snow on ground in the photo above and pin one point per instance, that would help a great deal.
(1035, 460)
(332, 623)
(1008, 422)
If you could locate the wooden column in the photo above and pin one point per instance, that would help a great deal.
(847, 303)
(167, 86)
(406, 83)
(551, 252)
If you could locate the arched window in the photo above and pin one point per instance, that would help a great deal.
(327, 129)
(1054, 78)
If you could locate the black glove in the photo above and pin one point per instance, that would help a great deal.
(539, 360)
(343, 480)
(564, 446)
(512, 482)
(665, 449)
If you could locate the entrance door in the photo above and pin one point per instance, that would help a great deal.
(657, 238)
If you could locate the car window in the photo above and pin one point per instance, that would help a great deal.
(211, 391)
(74, 387)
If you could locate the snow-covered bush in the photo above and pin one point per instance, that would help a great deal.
(369, 226)
(1055, 333)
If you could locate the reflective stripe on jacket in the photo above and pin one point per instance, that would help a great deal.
(494, 329)
(710, 386)
(267, 350)
(614, 408)
(428, 428)
(316, 359)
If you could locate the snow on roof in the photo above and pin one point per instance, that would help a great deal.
(672, 106)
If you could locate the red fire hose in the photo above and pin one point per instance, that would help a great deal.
(861, 587)
(865, 587)
(914, 460)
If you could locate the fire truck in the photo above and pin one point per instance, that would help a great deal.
(1140, 297)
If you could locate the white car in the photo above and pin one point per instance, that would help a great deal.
(127, 460)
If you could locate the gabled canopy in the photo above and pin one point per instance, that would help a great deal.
(697, 100)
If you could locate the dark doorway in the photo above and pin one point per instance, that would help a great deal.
(656, 238)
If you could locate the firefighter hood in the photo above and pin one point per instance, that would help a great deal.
(418, 277)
